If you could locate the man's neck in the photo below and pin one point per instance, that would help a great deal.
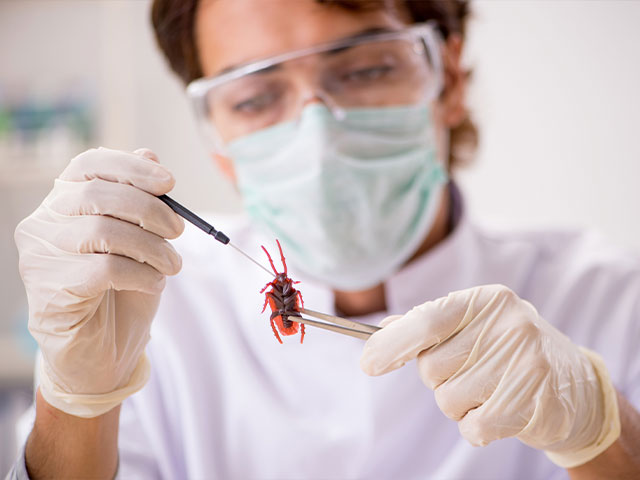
(373, 299)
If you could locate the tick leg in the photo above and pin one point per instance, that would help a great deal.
(266, 301)
(301, 332)
(275, 332)
(301, 301)
(270, 284)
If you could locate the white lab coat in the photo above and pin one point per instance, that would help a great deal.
(226, 400)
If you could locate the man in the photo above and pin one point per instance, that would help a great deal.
(339, 122)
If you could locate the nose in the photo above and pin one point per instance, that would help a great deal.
(310, 90)
(319, 97)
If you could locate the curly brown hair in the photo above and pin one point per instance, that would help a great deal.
(174, 25)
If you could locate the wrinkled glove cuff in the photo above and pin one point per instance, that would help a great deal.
(610, 426)
(87, 405)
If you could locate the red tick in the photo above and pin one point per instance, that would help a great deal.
(284, 300)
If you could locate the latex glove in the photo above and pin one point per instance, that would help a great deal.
(500, 370)
(93, 259)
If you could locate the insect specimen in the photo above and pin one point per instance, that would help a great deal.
(284, 300)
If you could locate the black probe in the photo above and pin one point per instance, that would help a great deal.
(206, 227)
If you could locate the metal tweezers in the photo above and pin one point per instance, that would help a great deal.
(336, 324)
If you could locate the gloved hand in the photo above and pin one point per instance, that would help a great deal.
(93, 259)
(500, 370)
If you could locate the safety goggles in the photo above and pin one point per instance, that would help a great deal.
(381, 69)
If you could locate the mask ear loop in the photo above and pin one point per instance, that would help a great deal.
(432, 42)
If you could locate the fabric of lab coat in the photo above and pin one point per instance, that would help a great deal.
(226, 400)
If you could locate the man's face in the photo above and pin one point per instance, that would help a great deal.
(234, 32)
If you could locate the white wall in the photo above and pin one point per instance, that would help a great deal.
(557, 97)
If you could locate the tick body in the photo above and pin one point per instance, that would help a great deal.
(284, 300)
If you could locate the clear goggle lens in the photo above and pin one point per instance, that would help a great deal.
(378, 70)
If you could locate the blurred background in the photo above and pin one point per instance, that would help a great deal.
(555, 94)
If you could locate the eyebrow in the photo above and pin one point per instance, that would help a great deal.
(355, 36)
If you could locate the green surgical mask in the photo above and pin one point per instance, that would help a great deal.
(350, 200)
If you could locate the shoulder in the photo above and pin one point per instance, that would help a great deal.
(571, 251)
(565, 273)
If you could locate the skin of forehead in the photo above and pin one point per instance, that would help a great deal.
(232, 32)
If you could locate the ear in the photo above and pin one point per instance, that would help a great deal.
(452, 99)
(225, 165)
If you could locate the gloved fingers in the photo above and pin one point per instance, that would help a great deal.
(422, 327)
(434, 322)
(125, 202)
(455, 401)
(63, 280)
(120, 167)
(507, 411)
(103, 234)
(109, 271)
(485, 346)
(437, 364)
(493, 349)
(390, 319)
(147, 153)
(468, 386)
(480, 429)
